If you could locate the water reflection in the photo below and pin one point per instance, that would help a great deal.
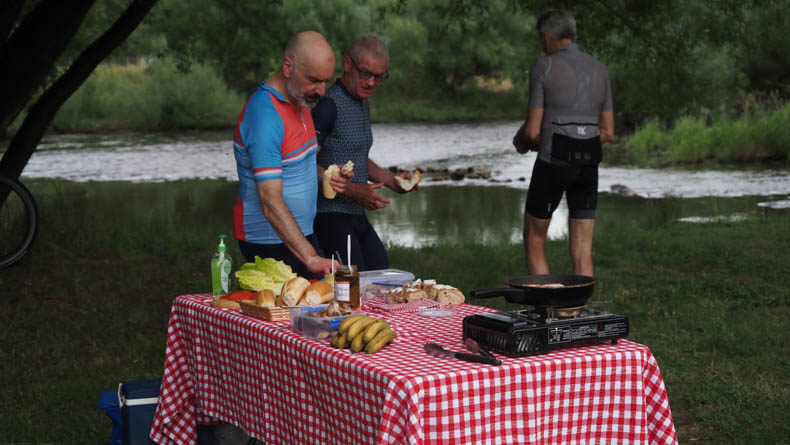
(493, 215)
(430, 215)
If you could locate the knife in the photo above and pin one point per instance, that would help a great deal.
(438, 351)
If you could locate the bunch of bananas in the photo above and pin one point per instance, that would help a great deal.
(360, 332)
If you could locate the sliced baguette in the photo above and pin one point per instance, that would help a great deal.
(319, 292)
(332, 170)
(293, 290)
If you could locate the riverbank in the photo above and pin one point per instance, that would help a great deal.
(89, 306)
(162, 99)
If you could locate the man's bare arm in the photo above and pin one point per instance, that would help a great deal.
(606, 125)
(528, 136)
(274, 209)
(383, 176)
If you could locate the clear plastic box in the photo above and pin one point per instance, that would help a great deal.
(315, 327)
(374, 283)
(385, 276)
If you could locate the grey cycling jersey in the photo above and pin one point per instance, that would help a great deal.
(573, 89)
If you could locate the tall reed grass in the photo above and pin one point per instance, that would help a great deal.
(763, 136)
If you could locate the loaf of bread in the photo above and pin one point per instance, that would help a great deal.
(319, 292)
(294, 290)
(448, 294)
(424, 290)
(414, 294)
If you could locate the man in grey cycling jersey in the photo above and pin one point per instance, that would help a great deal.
(570, 114)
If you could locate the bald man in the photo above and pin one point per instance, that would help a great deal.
(275, 148)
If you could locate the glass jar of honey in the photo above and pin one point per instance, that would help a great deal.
(347, 285)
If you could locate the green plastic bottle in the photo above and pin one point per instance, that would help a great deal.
(221, 266)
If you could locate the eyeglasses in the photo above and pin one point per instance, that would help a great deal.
(365, 74)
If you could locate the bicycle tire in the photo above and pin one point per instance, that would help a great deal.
(18, 192)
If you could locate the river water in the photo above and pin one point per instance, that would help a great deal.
(161, 157)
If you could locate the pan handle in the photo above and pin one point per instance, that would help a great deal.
(497, 292)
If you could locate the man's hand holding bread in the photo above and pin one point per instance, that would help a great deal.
(337, 178)
(406, 181)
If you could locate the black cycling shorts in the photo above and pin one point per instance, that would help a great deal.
(548, 182)
(367, 250)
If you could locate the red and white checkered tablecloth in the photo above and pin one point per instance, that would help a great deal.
(222, 365)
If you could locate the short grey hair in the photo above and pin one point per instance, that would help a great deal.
(558, 23)
(371, 45)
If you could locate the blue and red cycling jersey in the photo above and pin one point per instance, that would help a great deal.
(274, 140)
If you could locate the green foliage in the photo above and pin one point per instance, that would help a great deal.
(666, 59)
(159, 96)
(690, 140)
(647, 146)
(763, 136)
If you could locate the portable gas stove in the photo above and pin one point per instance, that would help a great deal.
(524, 332)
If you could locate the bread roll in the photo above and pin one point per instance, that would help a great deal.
(319, 292)
(394, 296)
(448, 295)
(414, 294)
(347, 168)
(408, 184)
(332, 170)
(428, 287)
(265, 298)
(293, 290)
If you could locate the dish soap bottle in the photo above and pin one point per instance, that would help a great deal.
(220, 269)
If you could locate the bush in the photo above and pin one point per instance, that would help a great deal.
(647, 146)
(690, 141)
(755, 137)
(158, 96)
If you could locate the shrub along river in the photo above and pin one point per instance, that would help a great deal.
(483, 203)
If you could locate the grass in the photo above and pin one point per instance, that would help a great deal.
(88, 307)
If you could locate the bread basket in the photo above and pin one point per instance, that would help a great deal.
(264, 312)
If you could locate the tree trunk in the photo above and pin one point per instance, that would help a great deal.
(41, 114)
(29, 54)
(9, 11)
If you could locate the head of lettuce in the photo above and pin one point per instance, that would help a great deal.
(264, 273)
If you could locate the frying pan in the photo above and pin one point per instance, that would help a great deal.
(576, 290)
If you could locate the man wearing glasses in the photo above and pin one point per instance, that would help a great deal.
(342, 123)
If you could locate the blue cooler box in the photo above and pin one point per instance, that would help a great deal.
(138, 399)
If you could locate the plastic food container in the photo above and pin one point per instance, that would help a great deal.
(375, 283)
(385, 276)
(380, 290)
(315, 327)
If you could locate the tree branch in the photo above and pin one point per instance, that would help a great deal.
(9, 16)
(41, 114)
(43, 34)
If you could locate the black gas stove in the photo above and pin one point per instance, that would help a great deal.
(524, 332)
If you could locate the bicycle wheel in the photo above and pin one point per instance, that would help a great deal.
(18, 221)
